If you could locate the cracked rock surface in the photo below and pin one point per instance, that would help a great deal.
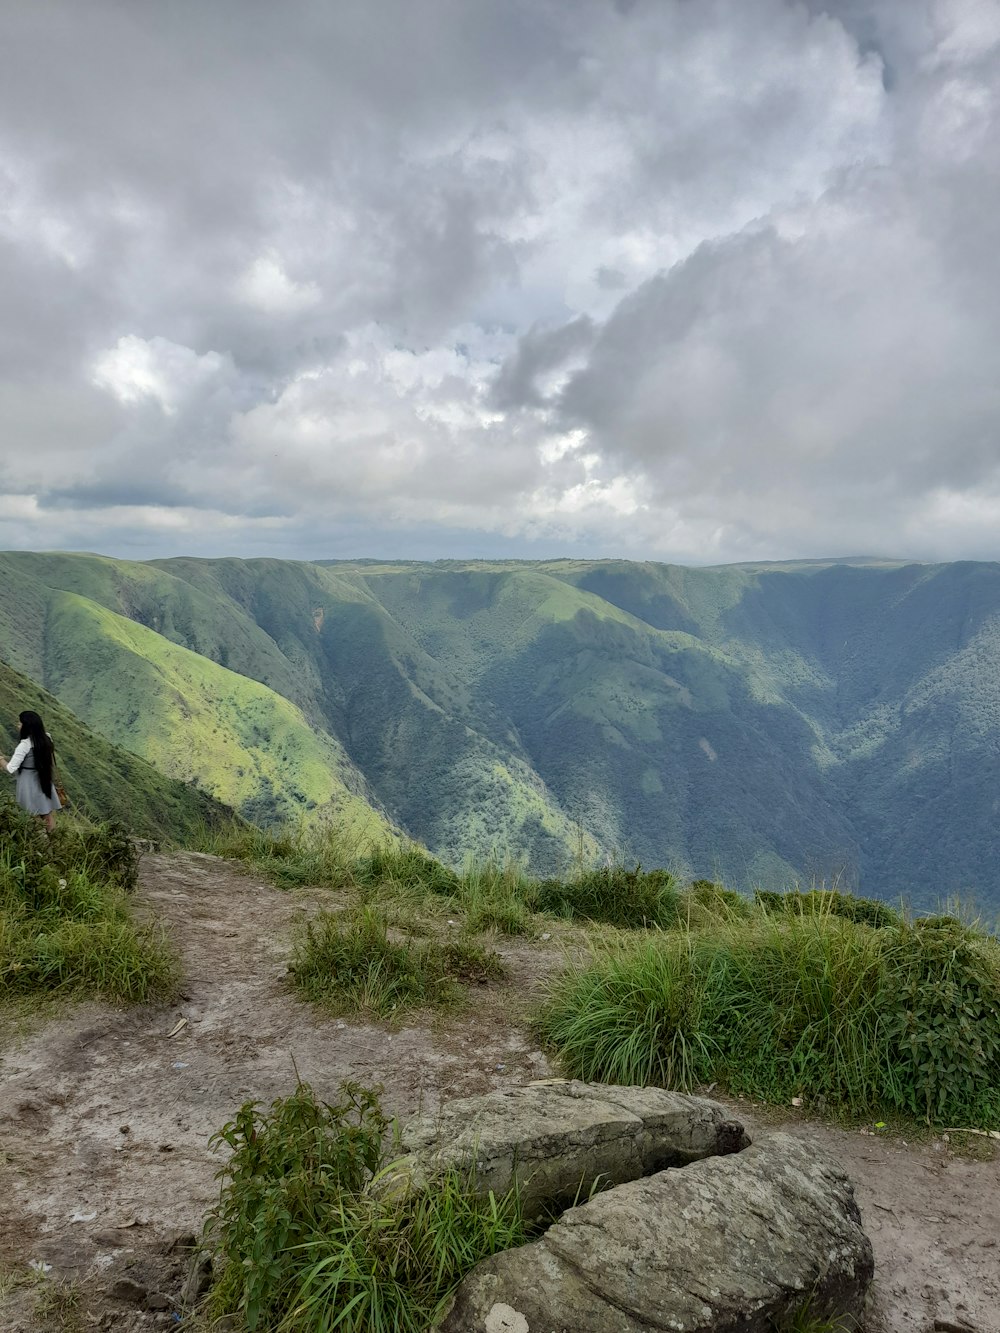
(558, 1137)
(727, 1245)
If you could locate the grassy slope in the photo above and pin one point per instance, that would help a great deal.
(103, 780)
(193, 719)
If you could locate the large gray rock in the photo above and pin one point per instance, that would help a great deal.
(726, 1245)
(559, 1137)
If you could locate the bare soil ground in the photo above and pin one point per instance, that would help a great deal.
(105, 1118)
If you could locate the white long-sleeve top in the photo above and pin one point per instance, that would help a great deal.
(19, 756)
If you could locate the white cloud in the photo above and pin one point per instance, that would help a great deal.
(136, 369)
(267, 286)
(698, 281)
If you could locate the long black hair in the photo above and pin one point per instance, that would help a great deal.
(33, 729)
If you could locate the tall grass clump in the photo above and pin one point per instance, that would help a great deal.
(495, 895)
(65, 922)
(407, 868)
(902, 1018)
(309, 1241)
(615, 894)
(828, 902)
(289, 857)
(348, 961)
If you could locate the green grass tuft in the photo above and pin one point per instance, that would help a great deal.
(406, 867)
(348, 961)
(846, 1016)
(496, 895)
(828, 902)
(615, 894)
(65, 923)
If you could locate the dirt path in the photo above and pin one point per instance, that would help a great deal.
(104, 1120)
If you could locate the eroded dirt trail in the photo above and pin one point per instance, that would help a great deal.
(105, 1118)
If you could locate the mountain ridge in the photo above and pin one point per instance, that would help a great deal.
(761, 724)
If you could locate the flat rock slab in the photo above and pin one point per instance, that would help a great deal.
(559, 1137)
(727, 1245)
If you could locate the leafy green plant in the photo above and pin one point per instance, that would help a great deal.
(944, 1021)
(310, 1241)
(288, 1167)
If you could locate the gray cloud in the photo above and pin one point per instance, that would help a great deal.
(683, 281)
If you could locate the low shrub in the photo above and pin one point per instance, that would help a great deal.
(901, 1018)
(944, 1022)
(348, 960)
(307, 1239)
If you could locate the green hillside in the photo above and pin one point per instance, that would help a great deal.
(193, 719)
(823, 720)
(102, 780)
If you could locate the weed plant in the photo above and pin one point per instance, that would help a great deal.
(347, 960)
(805, 1321)
(308, 1239)
(65, 922)
(58, 1305)
(902, 1018)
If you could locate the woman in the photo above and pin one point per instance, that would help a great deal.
(32, 762)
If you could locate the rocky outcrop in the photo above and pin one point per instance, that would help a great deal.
(727, 1245)
(559, 1138)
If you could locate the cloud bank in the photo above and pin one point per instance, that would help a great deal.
(699, 282)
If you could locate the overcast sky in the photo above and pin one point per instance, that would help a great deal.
(692, 280)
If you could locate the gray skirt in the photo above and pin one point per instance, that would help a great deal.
(29, 794)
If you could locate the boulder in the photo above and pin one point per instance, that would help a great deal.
(727, 1245)
(559, 1137)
